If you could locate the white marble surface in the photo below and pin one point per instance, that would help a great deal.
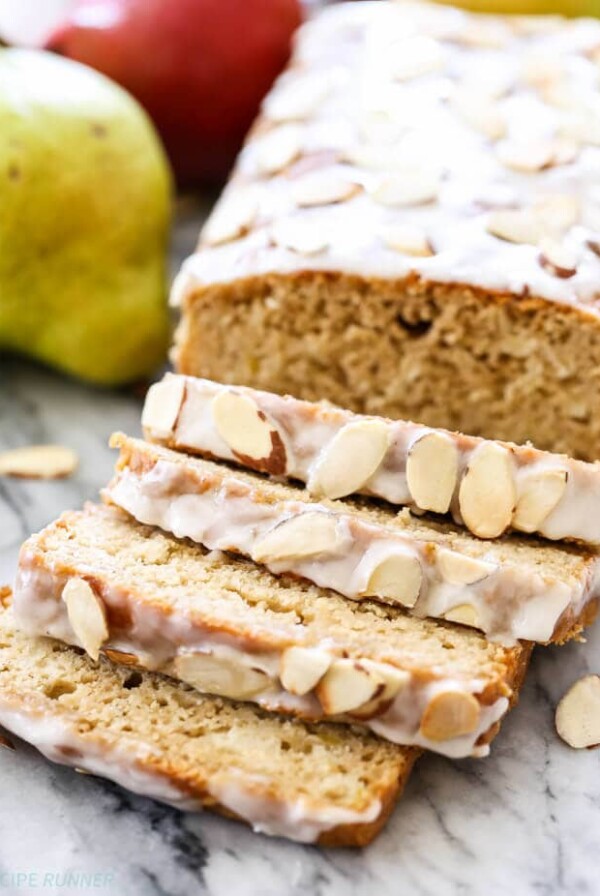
(525, 821)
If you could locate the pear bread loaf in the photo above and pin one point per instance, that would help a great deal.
(487, 486)
(511, 588)
(99, 580)
(413, 227)
(312, 783)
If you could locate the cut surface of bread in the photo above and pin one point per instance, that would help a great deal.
(510, 589)
(313, 783)
(487, 486)
(430, 252)
(100, 580)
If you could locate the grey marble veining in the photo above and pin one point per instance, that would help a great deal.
(525, 821)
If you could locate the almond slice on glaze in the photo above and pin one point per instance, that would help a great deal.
(297, 99)
(539, 493)
(217, 675)
(415, 186)
(278, 149)
(557, 212)
(300, 235)
(323, 188)
(162, 407)
(393, 681)
(231, 219)
(464, 614)
(246, 431)
(458, 569)
(38, 462)
(450, 714)
(346, 685)
(302, 668)
(557, 259)
(515, 226)
(480, 113)
(122, 658)
(349, 460)
(407, 239)
(432, 471)
(578, 714)
(487, 494)
(532, 156)
(310, 534)
(397, 578)
(412, 57)
(87, 616)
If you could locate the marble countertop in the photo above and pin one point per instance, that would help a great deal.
(524, 821)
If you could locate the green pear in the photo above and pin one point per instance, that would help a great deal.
(85, 198)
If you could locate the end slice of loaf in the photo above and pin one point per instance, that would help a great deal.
(510, 589)
(312, 783)
(487, 486)
(102, 581)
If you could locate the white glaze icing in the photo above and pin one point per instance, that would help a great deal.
(375, 121)
(158, 638)
(307, 428)
(513, 601)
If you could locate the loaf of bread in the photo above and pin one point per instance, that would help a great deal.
(101, 581)
(413, 227)
(510, 588)
(314, 783)
(487, 486)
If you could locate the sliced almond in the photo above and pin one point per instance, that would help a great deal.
(458, 569)
(483, 33)
(349, 460)
(300, 235)
(162, 407)
(578, 714)
(249, 435)
(302, 668)
(464, 614)
(407, 239)
(413, 57)
(411, 186)
(232, 218)
(217, 675)
(557, 212)
(323, 188)
(515, 226)
(487, 494)
(450, 714)
(397, 578)
(38, 462)
(87, 616)
(346, 685)
(527, 157)
(432, 471)
(296, 99)
(277, 149)
(393, 681)
(311, 534)
(539, 493)
(480, 113)
(557, 259)
(122, 657)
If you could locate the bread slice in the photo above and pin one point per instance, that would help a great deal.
(510, 589)
(314, 783)
(404, 235)
(102, 581)
(488, 487)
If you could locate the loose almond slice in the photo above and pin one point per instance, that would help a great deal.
(350, 459)
(346, 685)
(578, 714)
(412, 186)
(232, 218)
(38, 462)
(217, 675)
(487, 494)
(450, 714)
(278, 149)
(407, 239)
(162, 407)
(247, 432)
(312, 534)
(302, 668)
(539, 493)
(464, 614)
(458, 569)
(515, 226)
(397, 578)
(323, 188)
(87, 616)
(432, 471)
(557, 259)
(300, 235)
(393, 681)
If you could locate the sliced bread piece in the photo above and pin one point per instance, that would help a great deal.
(314, 783)
(511, 588)
(489, 487)
(100, 580)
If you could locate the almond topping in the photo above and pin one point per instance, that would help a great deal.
(278, 149)
(87, 616)
(346, 685)
(162, 407)
(407, 239)
(539, 493)
(515, 226)
(432, 471)
(302, 668)
(393, 681)
(458, 569)
(487, 494)
(480, 113)
(217, 675)
(296, 99)
(416, 186)
(415, 56)
(246, 431)
(300, 235)
(578, 714)
(323, 188)
(397, 579)
(450, 714)
(557, 212)
(557, 259)
(121, 657)
(464, 614)
(529, 157)
(312, 534)
(231, 219)
(350, 459)
(38, 462)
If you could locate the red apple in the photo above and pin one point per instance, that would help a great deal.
(200, 67)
